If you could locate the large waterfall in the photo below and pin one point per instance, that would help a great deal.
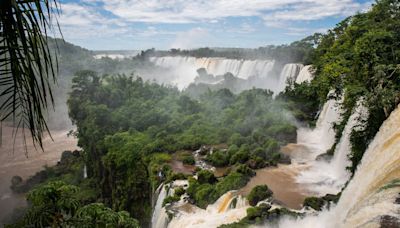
(324, 176)
(160, 218)
(289, 72)
(184, 69)
(373, 190)
(322, 137)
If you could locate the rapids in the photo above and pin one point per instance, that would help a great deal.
(372, 191)
(222, 211)
(329, 176)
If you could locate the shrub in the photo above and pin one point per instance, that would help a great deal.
(206, 177)
(315, 203)
(179, 191)
(218, 158)
(206, 194)
(258, 193)
(188, 160)
(170, 199)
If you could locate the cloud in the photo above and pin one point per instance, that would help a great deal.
(186, 20)
(193, 38)
(183, 11)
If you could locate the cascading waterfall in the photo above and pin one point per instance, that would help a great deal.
(218, 66)
(325, 177)
(289, 72)
(322, 137)
(223, 211)
(184, 69)
(305, 75)
(160, 218)
(372, 191)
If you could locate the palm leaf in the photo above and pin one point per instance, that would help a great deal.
(27, 66)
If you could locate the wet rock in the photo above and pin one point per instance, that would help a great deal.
(15, 180)
(285, 159)
(324, 157)
(397, 201)
(388, 221)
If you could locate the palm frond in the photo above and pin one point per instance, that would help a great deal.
(27, 66)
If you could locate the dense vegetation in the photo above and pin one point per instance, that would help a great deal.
(259, 193)
(359, 59)
(56, 204)
(129, 128)
(206, 189)
(126, 124)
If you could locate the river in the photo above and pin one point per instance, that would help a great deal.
(25, 161)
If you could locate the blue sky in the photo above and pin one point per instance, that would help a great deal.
(185, 24)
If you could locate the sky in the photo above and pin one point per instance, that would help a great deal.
(188, 24)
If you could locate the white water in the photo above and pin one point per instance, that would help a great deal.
(325, 177)
(322, 137)
(221, 212)
(160, 218)
(305, 75)
(289, 72)
(364, 201)
(184, 69)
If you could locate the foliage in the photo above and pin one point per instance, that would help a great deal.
(55, 204)
(127, 127)
(317, 203)
(205, 176)
(188, 160)
(299, 51)
(27, 66)
(205, 190)
(359, 58)
(258, 193)
(170, 199)
(179, 191)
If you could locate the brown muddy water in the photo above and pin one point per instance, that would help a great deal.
(15, 161)
(282, 181)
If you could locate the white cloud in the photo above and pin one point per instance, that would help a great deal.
(183, 11)
(87, 19)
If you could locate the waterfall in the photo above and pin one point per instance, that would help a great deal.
(289, 72)
(218, 66)
(318, 140)
(184, 68)
(305, 75)
(330, 176)
(160, 218)
(223, 211)
(372, 191)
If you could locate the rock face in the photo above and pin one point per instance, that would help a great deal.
(324, 157)
(388, 221)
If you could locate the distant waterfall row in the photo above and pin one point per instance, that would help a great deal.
(185, 67)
